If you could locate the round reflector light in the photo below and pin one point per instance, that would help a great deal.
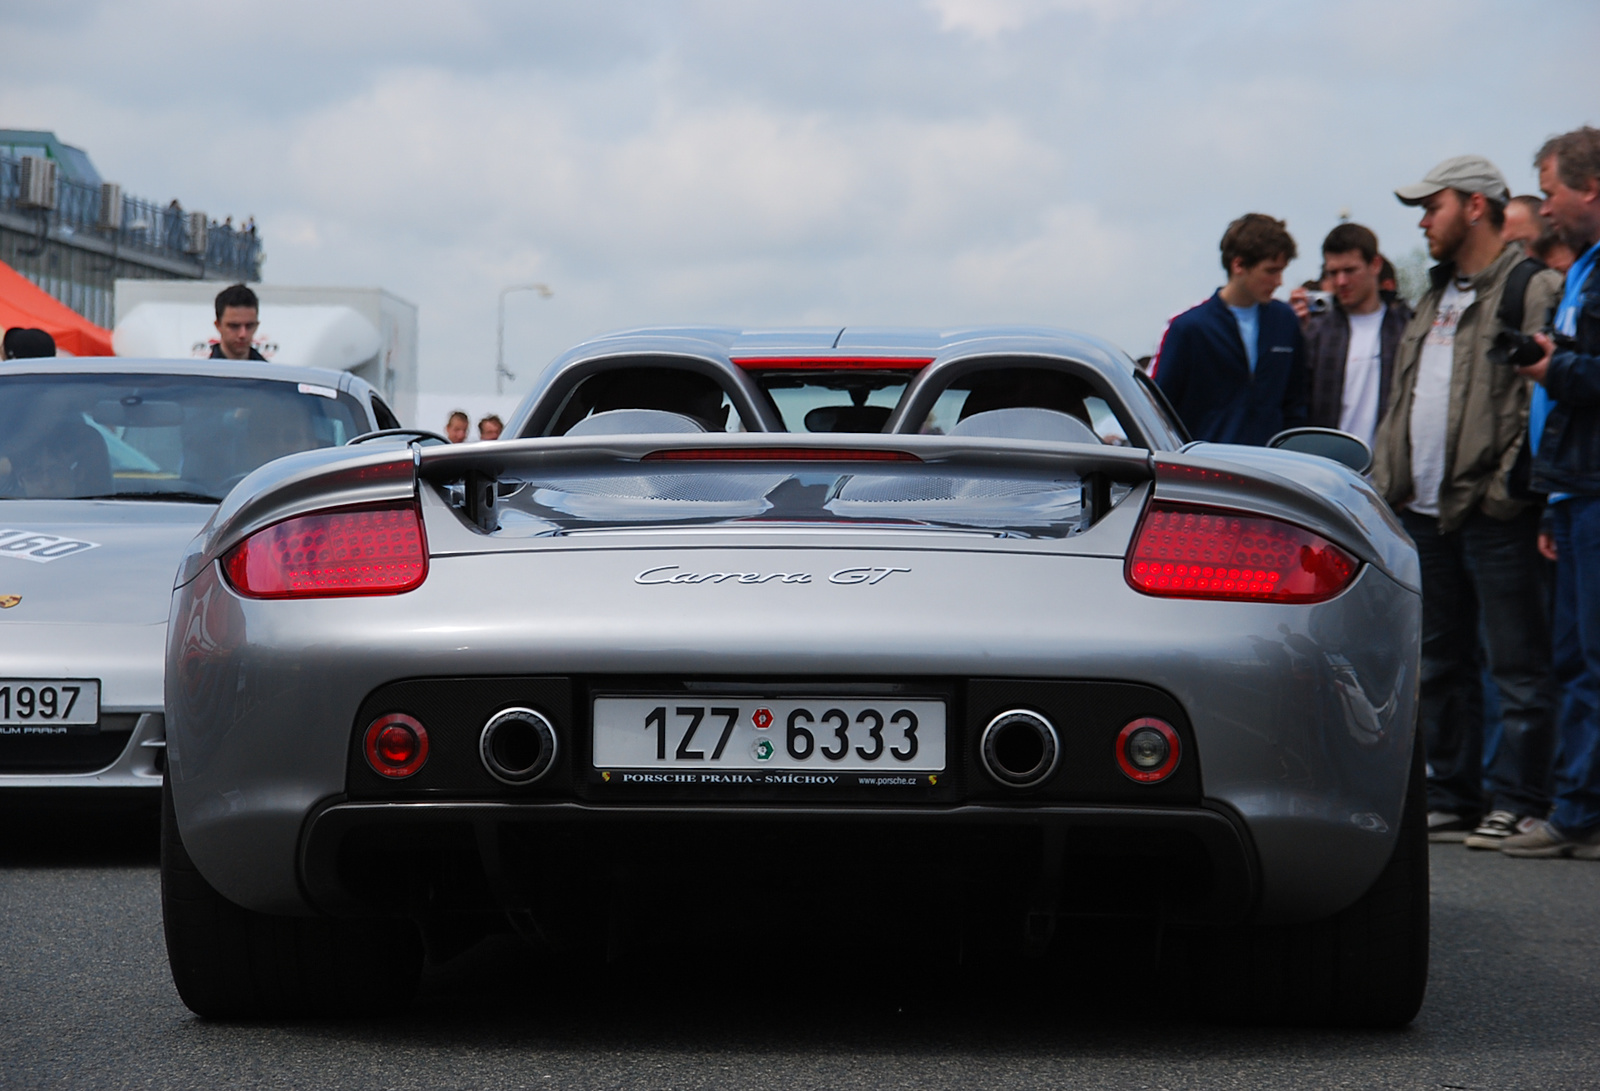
(1148, 750)
(396, 745)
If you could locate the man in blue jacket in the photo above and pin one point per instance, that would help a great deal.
(1234, 367)
(1566, 463)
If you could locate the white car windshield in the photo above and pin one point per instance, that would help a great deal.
(181, 437)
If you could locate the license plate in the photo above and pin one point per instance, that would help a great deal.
(47, 705)
(812, 733)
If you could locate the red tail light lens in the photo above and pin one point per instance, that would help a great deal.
(396, 745)
(354, 551)
(1211, 553)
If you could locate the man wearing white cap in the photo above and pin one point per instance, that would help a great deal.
(1443, 455)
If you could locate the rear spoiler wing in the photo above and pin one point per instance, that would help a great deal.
(387, 469)
(482, 468)
(1302, 489)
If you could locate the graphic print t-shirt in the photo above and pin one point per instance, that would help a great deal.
(1363, 375)
(1430, 402)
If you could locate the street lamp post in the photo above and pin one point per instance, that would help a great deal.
(500, 372)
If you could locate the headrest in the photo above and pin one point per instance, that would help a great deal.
(1026, 423)
(634, 422)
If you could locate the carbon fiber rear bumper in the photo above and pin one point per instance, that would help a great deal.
(1178, 863)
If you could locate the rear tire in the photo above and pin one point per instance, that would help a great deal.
(1365, 966)
(229, 962)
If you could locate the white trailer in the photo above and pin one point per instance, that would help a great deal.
(368, 331)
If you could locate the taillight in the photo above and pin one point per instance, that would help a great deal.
(1211, 553)
(396, 745)
(350, 551)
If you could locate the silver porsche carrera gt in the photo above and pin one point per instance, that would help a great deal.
(950, 630)
(108, 468)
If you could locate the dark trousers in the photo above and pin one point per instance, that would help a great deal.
(1481, 589)
(1577, 662)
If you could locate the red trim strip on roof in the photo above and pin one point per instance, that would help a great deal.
(777, 454)
(833, 363)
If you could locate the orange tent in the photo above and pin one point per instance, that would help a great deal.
(24, 304)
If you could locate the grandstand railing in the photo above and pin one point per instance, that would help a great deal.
(231, 253)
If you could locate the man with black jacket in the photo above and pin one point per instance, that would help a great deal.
(1566, 463)
(1350, 347)
(238, 318)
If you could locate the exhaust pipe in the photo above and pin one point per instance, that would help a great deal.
(1020, 749)
(518, 746)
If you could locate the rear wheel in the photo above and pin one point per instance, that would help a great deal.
(231, 962)
(1366, 965)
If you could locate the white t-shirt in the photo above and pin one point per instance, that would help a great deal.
(1430, 402)
(1363, 375)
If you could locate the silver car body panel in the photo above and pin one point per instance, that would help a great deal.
(684, 349)
(1105, 366)
(721, 352)
(1322, 799)
(102, 613)
(1303, 715)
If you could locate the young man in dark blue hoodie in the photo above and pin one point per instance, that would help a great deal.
(1234, 367)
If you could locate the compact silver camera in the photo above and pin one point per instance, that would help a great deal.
(1319, 302)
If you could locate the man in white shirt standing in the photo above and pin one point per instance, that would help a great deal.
(1448, 441)
(1351, 347)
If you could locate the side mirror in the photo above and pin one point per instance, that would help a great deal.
(1342, 447)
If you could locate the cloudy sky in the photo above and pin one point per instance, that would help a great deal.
(927, 162)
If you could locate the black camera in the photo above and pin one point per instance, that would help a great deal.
(1515, 349)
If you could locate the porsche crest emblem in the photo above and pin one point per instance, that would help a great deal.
(8, 601)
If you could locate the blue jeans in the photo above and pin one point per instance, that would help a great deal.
(1576, 662)
(1480, 583)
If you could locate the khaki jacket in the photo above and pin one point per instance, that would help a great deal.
(1488, 415)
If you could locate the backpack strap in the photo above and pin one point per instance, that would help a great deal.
(1514, 298)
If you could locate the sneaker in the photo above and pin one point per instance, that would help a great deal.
(1544, 840)
(1493, 831)
(1449, 826)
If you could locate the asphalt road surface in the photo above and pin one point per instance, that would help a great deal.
(86, 1002)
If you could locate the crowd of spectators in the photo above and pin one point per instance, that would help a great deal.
(1482, 410)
